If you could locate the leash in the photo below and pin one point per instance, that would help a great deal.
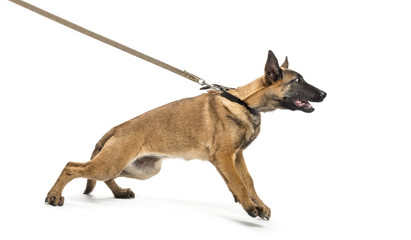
(138, 54)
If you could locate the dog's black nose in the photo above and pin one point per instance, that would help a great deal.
(322, 94)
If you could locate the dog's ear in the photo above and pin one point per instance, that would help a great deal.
(285, 63)
(273, 71)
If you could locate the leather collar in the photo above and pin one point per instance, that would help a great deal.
(235, 99)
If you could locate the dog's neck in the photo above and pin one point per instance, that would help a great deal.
(249, 89)
(252, 94)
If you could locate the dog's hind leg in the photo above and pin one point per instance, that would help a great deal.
(91, 183)
(118, 191)
(54, 197)
(108, 164)
(95, 169)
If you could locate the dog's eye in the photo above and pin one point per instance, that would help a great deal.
(297, 80)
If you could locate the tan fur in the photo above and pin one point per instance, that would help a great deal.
(207, 127)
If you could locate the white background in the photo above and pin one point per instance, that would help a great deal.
(341, 172)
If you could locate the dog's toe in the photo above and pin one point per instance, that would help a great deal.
(264, 213)
(125, 193)
(253, 212)
(54, 200)
(131, 194)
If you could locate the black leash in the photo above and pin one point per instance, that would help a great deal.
(138, 54)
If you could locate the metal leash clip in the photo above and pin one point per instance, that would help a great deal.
(214, 86)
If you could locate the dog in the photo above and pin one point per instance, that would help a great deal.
(215, 126)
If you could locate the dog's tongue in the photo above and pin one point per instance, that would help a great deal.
(302, 103)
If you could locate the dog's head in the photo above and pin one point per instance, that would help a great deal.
(287, 89)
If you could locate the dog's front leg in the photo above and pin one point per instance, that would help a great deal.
(264, 211)
(224, 163)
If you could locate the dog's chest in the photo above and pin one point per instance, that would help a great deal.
(253, 132)
(245, 130)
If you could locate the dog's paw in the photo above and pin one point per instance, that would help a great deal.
(54, 199)
(252, 211)
(264, 212)
(125, 193)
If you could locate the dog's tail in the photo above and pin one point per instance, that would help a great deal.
(91, 183)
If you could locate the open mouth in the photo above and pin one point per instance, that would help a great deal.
(303, 105)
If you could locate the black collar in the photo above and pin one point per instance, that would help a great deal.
(235, 99)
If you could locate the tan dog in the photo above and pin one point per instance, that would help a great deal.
(212, 126)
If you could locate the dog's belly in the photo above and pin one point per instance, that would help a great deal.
(143, 167)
